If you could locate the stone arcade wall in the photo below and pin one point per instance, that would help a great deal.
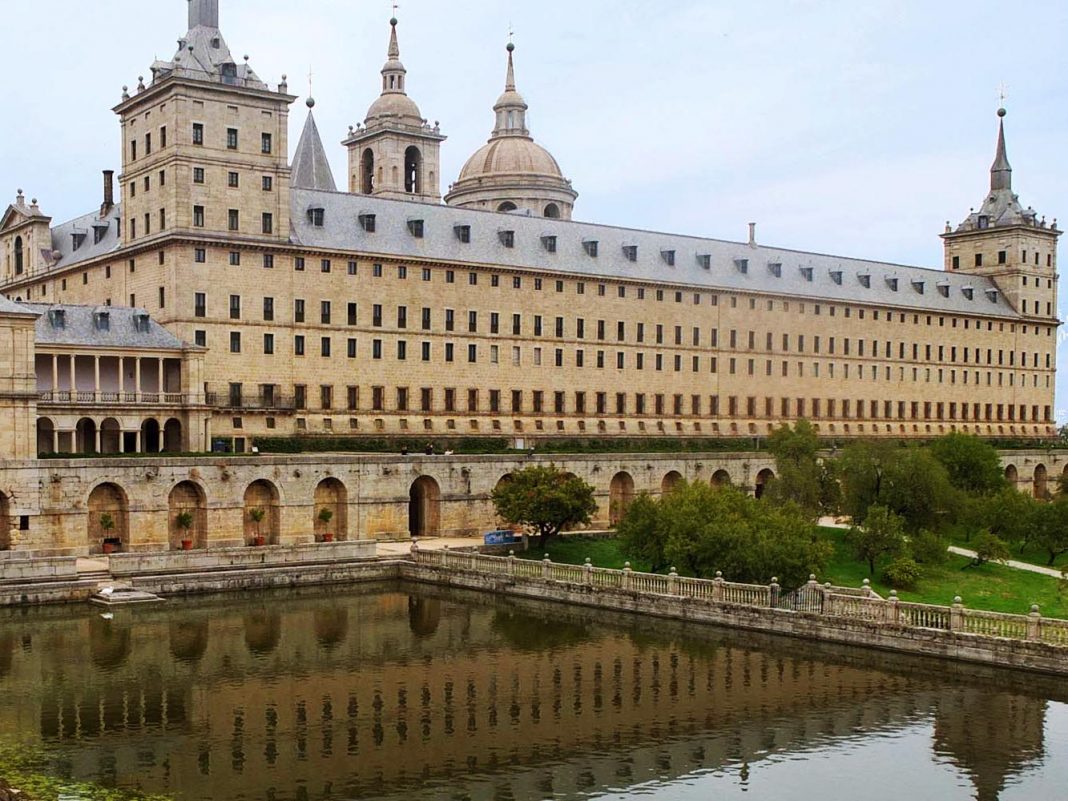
(62, 498)
(54, 505)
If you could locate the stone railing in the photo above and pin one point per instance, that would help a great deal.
(823, 600)
(272, 556)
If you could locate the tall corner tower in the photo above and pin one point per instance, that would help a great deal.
(395, 153)
(1008, 244)
(204, 144)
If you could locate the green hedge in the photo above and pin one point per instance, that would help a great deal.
(414, 445)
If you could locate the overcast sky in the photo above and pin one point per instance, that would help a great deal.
(854, 128)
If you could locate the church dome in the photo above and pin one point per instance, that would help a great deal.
(395, 105)
(511, 156)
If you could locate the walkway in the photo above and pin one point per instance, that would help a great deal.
(1042, 571)
(404, 547)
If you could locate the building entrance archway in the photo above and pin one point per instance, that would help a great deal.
(620, 497)
(424, 508)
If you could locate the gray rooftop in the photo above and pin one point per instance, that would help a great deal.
(311, 167)
(623, 253)
(83, 325)
(85, 238)
(10, 307)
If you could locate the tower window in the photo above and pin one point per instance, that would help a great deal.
(367, 172)
(231, 138)
(978, 259)
(1003, 257)
(413, 169)
(265, 143)
(956, 262)
(198, 133)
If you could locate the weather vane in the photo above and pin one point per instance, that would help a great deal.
(395, 7)
(1003, 93)
(309, 81)
(511, 33)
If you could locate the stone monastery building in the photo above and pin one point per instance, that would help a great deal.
(228, 293)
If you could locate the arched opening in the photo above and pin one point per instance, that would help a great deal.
(150, 434)
(85, 436)
(1012, 475)
(1041, 483)
(331, 626)
(672, 481)
(721, 478)
(263, 632)
(172, 436)
(424, 508)
(552, 211)
(413, 171)
(764, 477)
(620, 497)
(19, 262)
(424, 615)
(110, 436)
(188, 516)
(109, 519)
(189, 640)
(262, 513)
(46, 436)
(507, 206)
(331, 511)
(5, 523)
(367, 172)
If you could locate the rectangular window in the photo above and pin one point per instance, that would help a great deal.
(298, 345)
(352, 313)
(198, 175)
(233, 218)
(198, 135)
(268, 344)
(235, 307)
(298, 310)
(352, 348)
(268, 309)
(233, 180)
(231, 138)
(235, 342)
(265, 143)
(268, 261)
(200, 305)
(267, 183)
(324, 312)
(325, 347)
(268, 223)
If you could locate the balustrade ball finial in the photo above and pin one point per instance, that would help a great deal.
(957, 601)
(1035, 609)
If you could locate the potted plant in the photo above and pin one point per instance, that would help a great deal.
(325, 516)
(257, 515)
(107, 525)
(184, 521)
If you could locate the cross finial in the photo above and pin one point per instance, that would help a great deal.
(1003, 93)
(511, 33)
(395, 7)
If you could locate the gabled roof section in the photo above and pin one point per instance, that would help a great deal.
(311, 167)
(10, 308)
(341, 231)
(18, 213)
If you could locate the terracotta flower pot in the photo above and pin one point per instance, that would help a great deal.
(187, 545)
(260, 541)
(109, 547)
(328, 537)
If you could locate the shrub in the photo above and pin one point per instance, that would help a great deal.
(928, 547)
(902, 573)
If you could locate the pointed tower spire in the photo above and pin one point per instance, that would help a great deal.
(311, 167)
(511, 109)
(393, 72)
(509, 82)
(1001, 172)
(203, 13)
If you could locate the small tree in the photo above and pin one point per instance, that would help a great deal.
(989, 548)
(545, 500)
(642, 537)
(184, 521)
(883, 534)
(325, 516)
(257, 515)
(972, 463)
(107, 524)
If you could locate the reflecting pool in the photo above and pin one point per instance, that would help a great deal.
(406, 692)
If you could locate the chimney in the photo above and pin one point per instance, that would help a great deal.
(752, 235)
(109, 193)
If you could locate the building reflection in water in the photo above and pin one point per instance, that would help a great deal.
(381, 694)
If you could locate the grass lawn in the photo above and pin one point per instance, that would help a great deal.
(991, 587)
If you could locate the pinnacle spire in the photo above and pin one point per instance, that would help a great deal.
(393, 72)
(1001, 172)
(311, 167)
(203, 13)
(509, 83)
(394, 46)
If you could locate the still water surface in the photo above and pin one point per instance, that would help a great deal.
(410, 693)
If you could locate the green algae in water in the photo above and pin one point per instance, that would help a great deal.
(32, 769)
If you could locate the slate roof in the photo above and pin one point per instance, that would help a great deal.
(731, 266)
(63, 237)
(80, 328)
(311, 167)
(11, 307)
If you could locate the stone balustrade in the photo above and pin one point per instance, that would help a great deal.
(835, 605)
(144, 564)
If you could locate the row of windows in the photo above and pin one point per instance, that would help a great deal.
(233, 223)
(233, 179)
(232, 140)
(1003, 258)
(816, 344)
(678, 405)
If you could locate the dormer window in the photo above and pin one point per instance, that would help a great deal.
(549, 243)
(668, 256)
(865, 280)
(775, 268)
(836, 276)
(742, 265)
(77, 240)
(141, 322)
(590, 246)
(463, 233)
(943, 289)
(102, 320)
(984, 222)
(216, 42)
(892, 283)
(969, 292)
(806, 273)
(992, 295)
(317, 217)
(99, 232)
(630, 252)
(918, 285)
(416, 228)
(704, 260)
(57, 318)
(507, 238)
(367, 223)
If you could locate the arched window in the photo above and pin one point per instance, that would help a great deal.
(413, 167)
(507, 206)
(18, 255)
(367, 170)
(511, 120)
(552, 211)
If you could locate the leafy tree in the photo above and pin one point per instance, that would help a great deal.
(801, 476)
(545, 499)
(1007, 515)
(908, 481)
(641, 535)
(989, 548)
(1049, 529)
(928, 547)
(881, 535)
(1062, 487)
(704, 529)
(973, 464)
